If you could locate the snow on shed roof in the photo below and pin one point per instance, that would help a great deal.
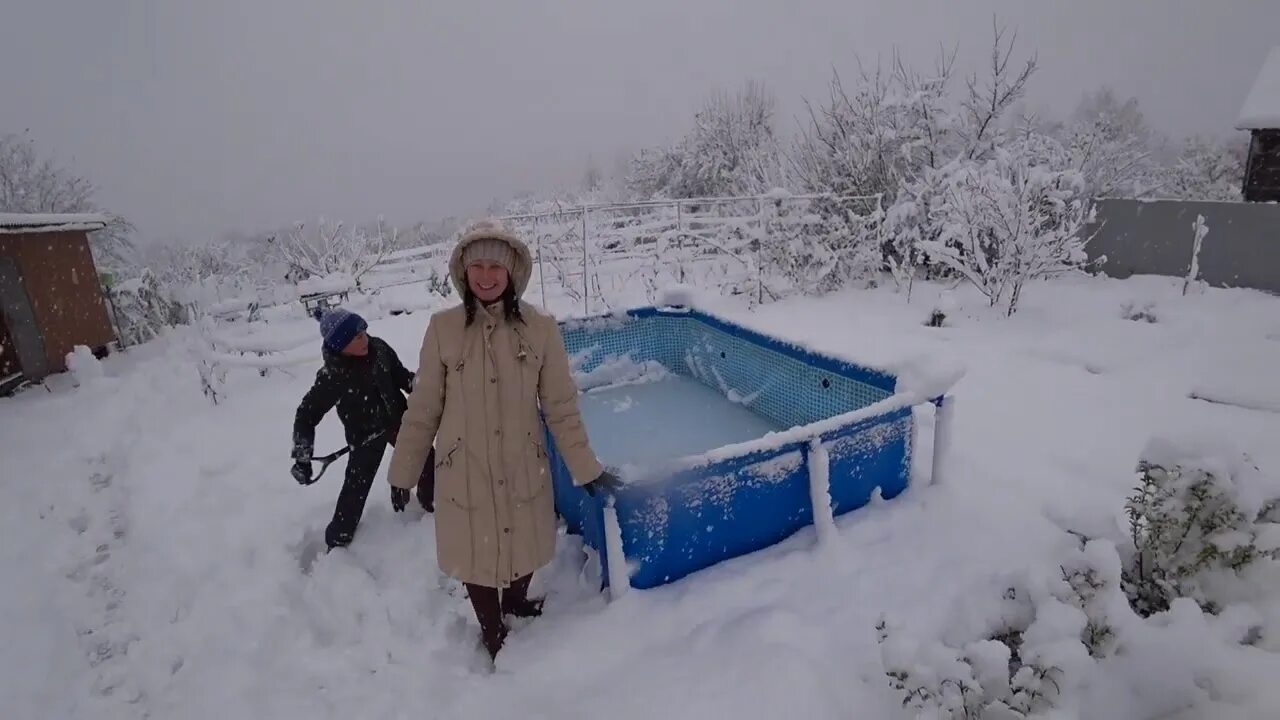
(1261, 109)
(14, 223)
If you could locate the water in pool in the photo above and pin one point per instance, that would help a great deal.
(653, 422)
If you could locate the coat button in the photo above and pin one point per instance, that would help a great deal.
(493, 379)
(506, 530)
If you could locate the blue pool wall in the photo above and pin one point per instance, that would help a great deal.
(703, 515)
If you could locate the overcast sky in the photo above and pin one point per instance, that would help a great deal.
(197, 117)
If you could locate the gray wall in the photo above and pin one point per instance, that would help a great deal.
(1140, 237)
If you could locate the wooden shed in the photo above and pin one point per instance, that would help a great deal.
(1261, 117)
(50, 297)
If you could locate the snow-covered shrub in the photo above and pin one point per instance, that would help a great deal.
(1208, 169)
(330, 248)
(1198, 521)
(1047, 632)
(1010, 219)
(143, 306)
(439, 283)
(1139, 313)
(1112, 146)
(818, 252)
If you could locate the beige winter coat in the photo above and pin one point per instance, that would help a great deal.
(477, 395)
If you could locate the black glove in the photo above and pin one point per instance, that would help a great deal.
(399, 498)
(302, 472)
(608, 482)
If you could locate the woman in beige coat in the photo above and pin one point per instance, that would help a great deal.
(487, 369)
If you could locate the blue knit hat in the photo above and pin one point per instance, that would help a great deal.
(339, 327)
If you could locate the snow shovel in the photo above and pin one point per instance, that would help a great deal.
(327, 460)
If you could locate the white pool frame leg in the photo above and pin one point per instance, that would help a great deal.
(819, 464)
(944, 409)
(619, 578)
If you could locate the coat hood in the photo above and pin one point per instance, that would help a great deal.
(495, 230)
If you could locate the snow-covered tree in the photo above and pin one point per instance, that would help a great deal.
(32, 184)
(329, 248)
(989, 97)
(731, 150)
(1112, 147)
(896, 124)
(1014, 217)
(1208, 170)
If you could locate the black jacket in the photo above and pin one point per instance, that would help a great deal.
(369, 392)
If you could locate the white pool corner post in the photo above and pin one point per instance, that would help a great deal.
(819, 465)
(943, 413)
(616, 558)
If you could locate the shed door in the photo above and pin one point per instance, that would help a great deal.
(23, 335)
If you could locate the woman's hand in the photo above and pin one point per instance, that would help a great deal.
(607, 482)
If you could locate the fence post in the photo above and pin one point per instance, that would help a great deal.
(680, 241)
(586, 288)
(542, 273)
(759, 244)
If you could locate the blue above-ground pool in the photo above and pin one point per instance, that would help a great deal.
(831, 430)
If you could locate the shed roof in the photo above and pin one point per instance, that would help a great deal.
(1261, 110)
(23, 223)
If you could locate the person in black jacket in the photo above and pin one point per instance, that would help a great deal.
(364, 377)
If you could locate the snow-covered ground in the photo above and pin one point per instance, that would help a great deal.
(155, 544)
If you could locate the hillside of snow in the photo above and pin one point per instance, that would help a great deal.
(159, 561)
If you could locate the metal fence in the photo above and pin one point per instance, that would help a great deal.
(592, 252)
(1143, 237)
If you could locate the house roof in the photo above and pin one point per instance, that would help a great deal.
(1261, 110)
(24, 223)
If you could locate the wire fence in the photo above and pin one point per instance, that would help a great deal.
(597, 252)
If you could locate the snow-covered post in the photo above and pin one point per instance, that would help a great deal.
(679, 241)
(586, 290)
(820, 492)
(619, 579)
(1201, 230)
(542, 274)
(944, 408)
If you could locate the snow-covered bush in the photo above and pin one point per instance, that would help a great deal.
(143, 306)
(818, 253)
(1010, 219)
(330, 248)
(1144, 312)
(1198, 521)
(1046, 632)
(1112, 147)
(732, 150)
(1208, 169)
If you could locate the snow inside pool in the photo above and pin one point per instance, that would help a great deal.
(663, 418)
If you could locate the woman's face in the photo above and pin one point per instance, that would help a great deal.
(487, 279)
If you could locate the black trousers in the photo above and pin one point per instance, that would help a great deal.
(362, 465)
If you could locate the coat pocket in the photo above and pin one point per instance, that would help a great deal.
(537, 474)
(451, 480)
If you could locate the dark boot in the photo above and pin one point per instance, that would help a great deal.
(515, 599)
(493, 631)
